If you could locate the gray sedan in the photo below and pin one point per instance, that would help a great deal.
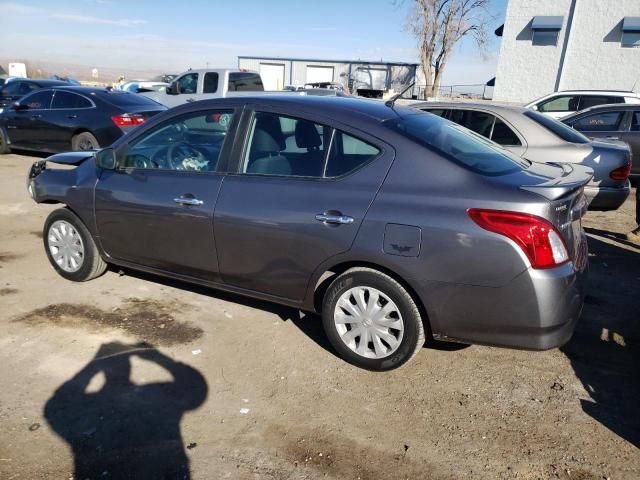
(611, 122)
(540, 138)
(392, 223)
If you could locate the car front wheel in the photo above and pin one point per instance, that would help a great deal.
(70, 247)
(371, 320)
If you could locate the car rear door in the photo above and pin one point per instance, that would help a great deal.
(301, 191)
(605, 124)
(69, 112)
(156, 209)
(632, 137)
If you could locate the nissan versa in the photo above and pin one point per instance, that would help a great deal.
(393, 223)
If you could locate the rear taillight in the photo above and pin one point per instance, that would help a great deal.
(621, 173)
(127, 120)
(537, 237)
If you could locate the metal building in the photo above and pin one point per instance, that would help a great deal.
(552, 45)
(358, 75)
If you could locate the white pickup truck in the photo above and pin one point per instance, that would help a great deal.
(204, 84)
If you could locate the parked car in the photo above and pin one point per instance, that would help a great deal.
(611, 122)
(13, 90)
(76, 118)
(561, 104)
(379, 217)
(539, 138)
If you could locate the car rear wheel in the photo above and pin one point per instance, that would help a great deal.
(70, 247)
(84, 141)
(371, 320)
(4, 142)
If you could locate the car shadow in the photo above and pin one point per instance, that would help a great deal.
(605, 351)
(121, 429)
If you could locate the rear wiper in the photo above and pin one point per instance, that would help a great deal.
(391, 102)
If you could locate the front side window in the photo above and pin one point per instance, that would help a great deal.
(458, 144)
(563, 103)
(559, 129)
(479, 122)
(245, 82)
(191, 142)
(295, 147)
(188, 84)
(40, 100)
(68, 100)
(599, 122)
(210, 82)
(440, 112)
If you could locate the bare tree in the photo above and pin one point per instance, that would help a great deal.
(438, 25)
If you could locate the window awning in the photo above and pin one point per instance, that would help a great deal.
(631, 24)
(547, 23)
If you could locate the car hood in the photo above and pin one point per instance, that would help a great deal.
(71, 158)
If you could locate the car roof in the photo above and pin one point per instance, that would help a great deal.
(606, 107)
(44, 83)
(620, 93)
(489, 106)
(327, 106)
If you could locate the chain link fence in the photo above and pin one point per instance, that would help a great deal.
(477, 91)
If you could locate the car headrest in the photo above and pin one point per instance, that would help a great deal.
(307, 135)
(268, 136)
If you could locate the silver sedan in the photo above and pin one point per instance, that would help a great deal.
(539, 138)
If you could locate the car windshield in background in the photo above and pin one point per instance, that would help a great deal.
(126, 99)
(556, 127)
(463, 146)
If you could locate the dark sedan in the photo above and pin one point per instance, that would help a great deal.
(612, 122)
(17, 88)
(72, 118)
(392, 223)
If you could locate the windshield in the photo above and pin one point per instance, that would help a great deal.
(459, 144)
(556, 127)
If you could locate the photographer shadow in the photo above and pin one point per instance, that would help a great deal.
(126, 430)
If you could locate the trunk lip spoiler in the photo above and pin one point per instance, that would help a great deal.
(573, 178)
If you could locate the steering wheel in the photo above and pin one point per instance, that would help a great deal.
(182, 156)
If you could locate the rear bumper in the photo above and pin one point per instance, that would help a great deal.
(537, 310)
(607, 198)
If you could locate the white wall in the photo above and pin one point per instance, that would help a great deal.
(594, 58)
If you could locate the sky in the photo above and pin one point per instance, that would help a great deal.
(172, 36)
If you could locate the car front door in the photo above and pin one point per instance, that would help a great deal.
(602, 124)
(28, 127)
(156, 208)
(301, 191)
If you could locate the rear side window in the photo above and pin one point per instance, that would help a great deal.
(27, 87)
(564, 103)
(210, 82)
(465, 148)
(63, 99)
(245, 82)
(635, 122)
(503, 134)
(39, 100)
(599, 122)
(559, 129)
(587, 101)
(295, 147)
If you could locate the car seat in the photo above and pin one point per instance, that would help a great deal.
(267, 143)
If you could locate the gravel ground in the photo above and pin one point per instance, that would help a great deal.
(123, 375)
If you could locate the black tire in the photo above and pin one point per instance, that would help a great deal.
(413, 336)
(84, 141)
(4, 142)
(91, 264)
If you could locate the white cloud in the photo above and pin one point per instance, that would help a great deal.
(122, 22)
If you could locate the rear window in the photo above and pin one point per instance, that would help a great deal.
(464, 147)
(126, 99)
(559, 129)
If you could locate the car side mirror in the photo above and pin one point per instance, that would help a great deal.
(172, 89)
(106, 159)
(17, 106)
(534, 107)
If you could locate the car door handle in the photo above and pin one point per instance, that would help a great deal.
(190, 100)
(35, 117)
(611, 137)
(71, 117)
(184, 200)
(335, 218)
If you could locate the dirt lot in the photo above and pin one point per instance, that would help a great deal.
(236, 388)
